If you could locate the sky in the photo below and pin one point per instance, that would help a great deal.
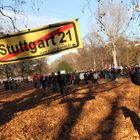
(46, 12)
(52, 11)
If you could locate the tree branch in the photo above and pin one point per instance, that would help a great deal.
(13, 24)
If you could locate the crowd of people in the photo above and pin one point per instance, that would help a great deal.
(57, 82)
(11, 84)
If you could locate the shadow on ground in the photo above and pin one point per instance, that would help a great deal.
(74, 111)
(133, 116)
(8, 109)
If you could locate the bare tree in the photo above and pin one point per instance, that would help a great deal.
(9, 11)
(114, 18)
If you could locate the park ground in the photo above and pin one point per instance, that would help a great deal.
(105, 111)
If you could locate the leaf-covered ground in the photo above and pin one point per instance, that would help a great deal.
(107, 111)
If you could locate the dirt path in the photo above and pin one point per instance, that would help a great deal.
(108, 111)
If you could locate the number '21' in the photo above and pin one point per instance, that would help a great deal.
(62, 35)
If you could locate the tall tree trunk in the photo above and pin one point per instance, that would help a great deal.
(114, 53)
(7, 72)
(94, 64)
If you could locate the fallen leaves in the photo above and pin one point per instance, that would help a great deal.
(90, 111)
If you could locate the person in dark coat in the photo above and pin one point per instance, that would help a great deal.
(35, 81)
(54, 82)
(43, 81)
(61, 83)
(135, 76)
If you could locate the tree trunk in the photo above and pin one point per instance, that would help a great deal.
(114, 53)
(7, 72)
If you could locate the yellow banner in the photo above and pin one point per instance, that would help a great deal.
(38, 42)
